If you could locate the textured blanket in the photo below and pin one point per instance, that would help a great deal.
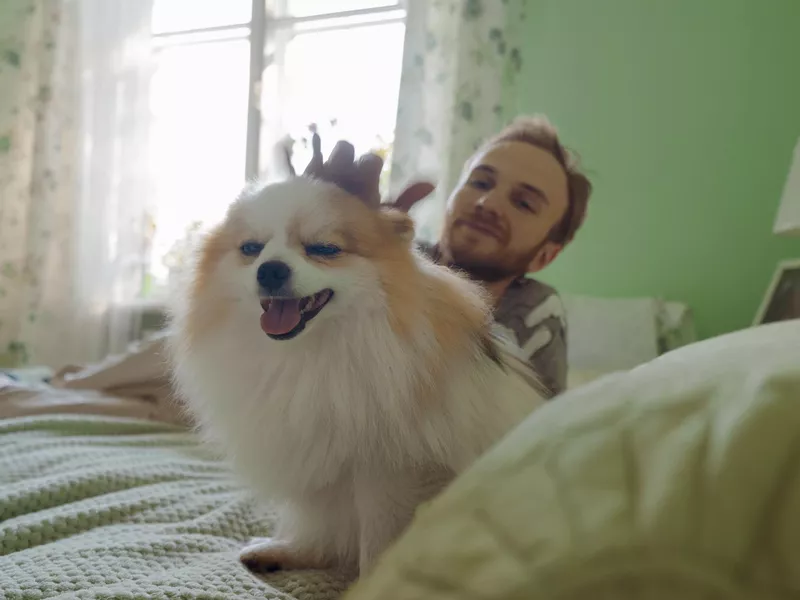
(94, 507)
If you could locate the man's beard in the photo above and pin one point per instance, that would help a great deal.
(487, 273)
(492, 271)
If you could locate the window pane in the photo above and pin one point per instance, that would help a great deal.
(199, 104)
(329, 79)
(180, 15)
(305, 8)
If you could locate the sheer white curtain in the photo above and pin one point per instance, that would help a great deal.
(460, 66)
(115, 183)
(73, 177)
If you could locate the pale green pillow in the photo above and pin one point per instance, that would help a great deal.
(679, 479)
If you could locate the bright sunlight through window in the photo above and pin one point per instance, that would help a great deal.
(332, 63)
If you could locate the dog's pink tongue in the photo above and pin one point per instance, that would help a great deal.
(280, 317)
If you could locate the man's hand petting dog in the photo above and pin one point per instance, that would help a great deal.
(361, 177)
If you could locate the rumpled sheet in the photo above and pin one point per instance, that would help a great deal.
(134, 384)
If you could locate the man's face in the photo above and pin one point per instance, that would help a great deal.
(498, 220)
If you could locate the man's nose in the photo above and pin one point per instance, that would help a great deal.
(489, 202)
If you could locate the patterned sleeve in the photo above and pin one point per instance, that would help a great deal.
(550, 361)
(538, 325)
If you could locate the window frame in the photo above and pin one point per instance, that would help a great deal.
(262, 30)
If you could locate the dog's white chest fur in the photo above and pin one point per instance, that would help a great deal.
(302, 415)
(335, 430)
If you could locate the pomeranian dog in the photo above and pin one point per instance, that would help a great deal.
(347, 377)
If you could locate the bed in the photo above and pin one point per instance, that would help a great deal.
(105, 492)
(678, 478)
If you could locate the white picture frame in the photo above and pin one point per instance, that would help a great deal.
(785, 282)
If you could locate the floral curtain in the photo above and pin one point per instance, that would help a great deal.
(73, 98)
(38, 170)
(460, 63)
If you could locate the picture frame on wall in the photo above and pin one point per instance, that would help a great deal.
(782, 300)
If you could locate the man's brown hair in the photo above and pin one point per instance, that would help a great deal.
(540, 132)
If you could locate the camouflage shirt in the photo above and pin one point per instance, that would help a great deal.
(530, 316)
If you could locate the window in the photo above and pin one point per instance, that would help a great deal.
(234, 79)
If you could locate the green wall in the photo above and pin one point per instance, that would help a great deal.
(686, 113)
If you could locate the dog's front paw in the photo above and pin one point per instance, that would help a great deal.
(266, 555)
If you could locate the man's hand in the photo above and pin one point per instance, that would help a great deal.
(360, 177)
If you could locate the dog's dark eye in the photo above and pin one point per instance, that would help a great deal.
(325, 250)
(251, 248)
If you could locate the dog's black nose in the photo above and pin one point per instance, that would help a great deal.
(272, 275)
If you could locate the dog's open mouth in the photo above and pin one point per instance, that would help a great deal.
(284, 318)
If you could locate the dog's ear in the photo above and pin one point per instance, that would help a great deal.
(400, 223)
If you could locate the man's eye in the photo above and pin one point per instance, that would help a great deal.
(323, 250)
(251, 248)
(481, 184)
(527, 205)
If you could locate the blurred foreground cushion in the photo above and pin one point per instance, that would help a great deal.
(678, 479)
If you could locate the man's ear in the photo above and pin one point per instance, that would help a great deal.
(547, 254)
(400, 223)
